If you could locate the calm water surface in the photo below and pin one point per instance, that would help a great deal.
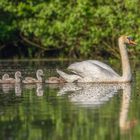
(69, 111)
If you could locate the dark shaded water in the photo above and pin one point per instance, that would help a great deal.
(70, 111)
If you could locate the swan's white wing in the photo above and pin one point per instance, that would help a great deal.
(68, 77)
(93, 69)
(103, 65)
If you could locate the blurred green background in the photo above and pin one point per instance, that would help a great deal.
(67, 28)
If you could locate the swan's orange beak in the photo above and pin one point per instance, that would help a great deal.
(131, 42)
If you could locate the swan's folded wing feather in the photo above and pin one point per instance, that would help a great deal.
(92, 70)
(103, 65)
(68, 77)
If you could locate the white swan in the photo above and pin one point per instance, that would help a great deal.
(96, 71)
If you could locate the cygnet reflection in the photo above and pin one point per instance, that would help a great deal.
(18, 90)
(29, 86)
(37, 86)
(89, 93)
(39, 89)
(7, 87)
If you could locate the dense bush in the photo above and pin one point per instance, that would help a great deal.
(80, 28)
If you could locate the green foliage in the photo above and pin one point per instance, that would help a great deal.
(76, 27)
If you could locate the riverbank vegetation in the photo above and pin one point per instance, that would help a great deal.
(66, 28)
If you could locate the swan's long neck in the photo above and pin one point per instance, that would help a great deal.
(39, 78)
(126, 70)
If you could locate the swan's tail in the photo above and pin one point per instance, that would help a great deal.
(67, 77)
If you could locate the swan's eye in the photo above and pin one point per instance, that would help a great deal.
(129, 38)
(131, 41)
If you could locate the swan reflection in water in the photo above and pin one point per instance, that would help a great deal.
(95, 95)
(124, 123)
(89, 94)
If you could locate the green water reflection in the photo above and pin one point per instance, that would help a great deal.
(67, 112)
